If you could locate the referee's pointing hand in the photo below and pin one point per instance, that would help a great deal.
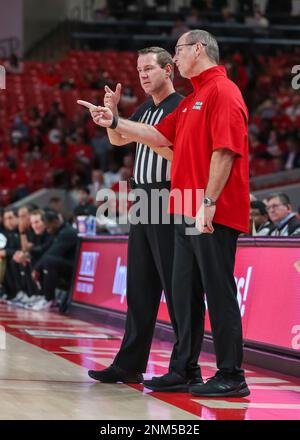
(102, 116)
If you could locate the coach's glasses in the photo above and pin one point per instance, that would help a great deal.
(187, 44)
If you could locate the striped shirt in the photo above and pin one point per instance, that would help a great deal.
(150, 167)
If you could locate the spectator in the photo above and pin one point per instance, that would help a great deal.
(112, 175)
(68, 83)
(41, 239)
(40, 242)
(227, 16)
(259, 220)
(101, 148)
(280, 213)
(50, 78)
(24, 226)
(57, 262)
(56, 204)
(193, 18)
(273, 148)
(19, 125)
(291, 159)
(19, 258)
(101, 80)
(12, 281)
(258, 20)
(128, 97)
(51, 116)
(97, 183)
(84, 207)
(179, 28)
(35, 120)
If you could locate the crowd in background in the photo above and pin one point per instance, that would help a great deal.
(48, 146)
(274, 217)
(76, 151)
(37, 254)
(252, 12)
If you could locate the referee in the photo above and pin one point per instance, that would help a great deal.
(150, 246)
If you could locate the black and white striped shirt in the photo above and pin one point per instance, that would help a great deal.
(150, 167)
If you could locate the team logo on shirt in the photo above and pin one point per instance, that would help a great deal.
(184, 110)
(198, 105)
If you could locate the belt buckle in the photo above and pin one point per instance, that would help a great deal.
(132, 183)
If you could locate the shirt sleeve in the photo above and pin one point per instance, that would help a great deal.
(167, 126)
(227, 121)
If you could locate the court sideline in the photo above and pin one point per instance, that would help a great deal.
(43, 375)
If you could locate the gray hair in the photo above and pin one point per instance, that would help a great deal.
(211, 45)
(284, 198)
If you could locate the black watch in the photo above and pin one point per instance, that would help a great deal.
(207, 201)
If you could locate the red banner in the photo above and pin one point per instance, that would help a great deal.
(268, 283)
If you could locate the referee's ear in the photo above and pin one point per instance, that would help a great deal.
(169, 71)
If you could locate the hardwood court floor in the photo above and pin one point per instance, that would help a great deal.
(43, 375)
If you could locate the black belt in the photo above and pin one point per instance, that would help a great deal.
(155, 185)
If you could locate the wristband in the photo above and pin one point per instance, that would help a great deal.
(114, 122)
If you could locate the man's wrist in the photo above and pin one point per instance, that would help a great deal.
(114, 123)
(208, 201)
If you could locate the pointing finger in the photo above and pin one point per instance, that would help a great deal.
(87, 104)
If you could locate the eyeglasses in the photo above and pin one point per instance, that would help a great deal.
(187, 44)
(274, 206)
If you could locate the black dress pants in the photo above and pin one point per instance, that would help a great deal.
(204, 264)
(149, 271)
(13, 282)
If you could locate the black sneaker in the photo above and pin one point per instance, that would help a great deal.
(222, 385)
(171, 382)
(115, 374)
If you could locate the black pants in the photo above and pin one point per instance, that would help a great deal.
(30, 287)
(13, 281)
(149, 271)
(204, 263)
(53, 270)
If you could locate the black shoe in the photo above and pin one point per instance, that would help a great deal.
(194, 378)
(171, 382)
(115, 374)
(222, 385)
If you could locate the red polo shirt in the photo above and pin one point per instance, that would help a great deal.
(213, 116)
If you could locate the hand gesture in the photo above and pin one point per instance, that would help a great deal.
(112, 98)
(102, 116)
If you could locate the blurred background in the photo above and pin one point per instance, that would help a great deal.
(57, 51)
